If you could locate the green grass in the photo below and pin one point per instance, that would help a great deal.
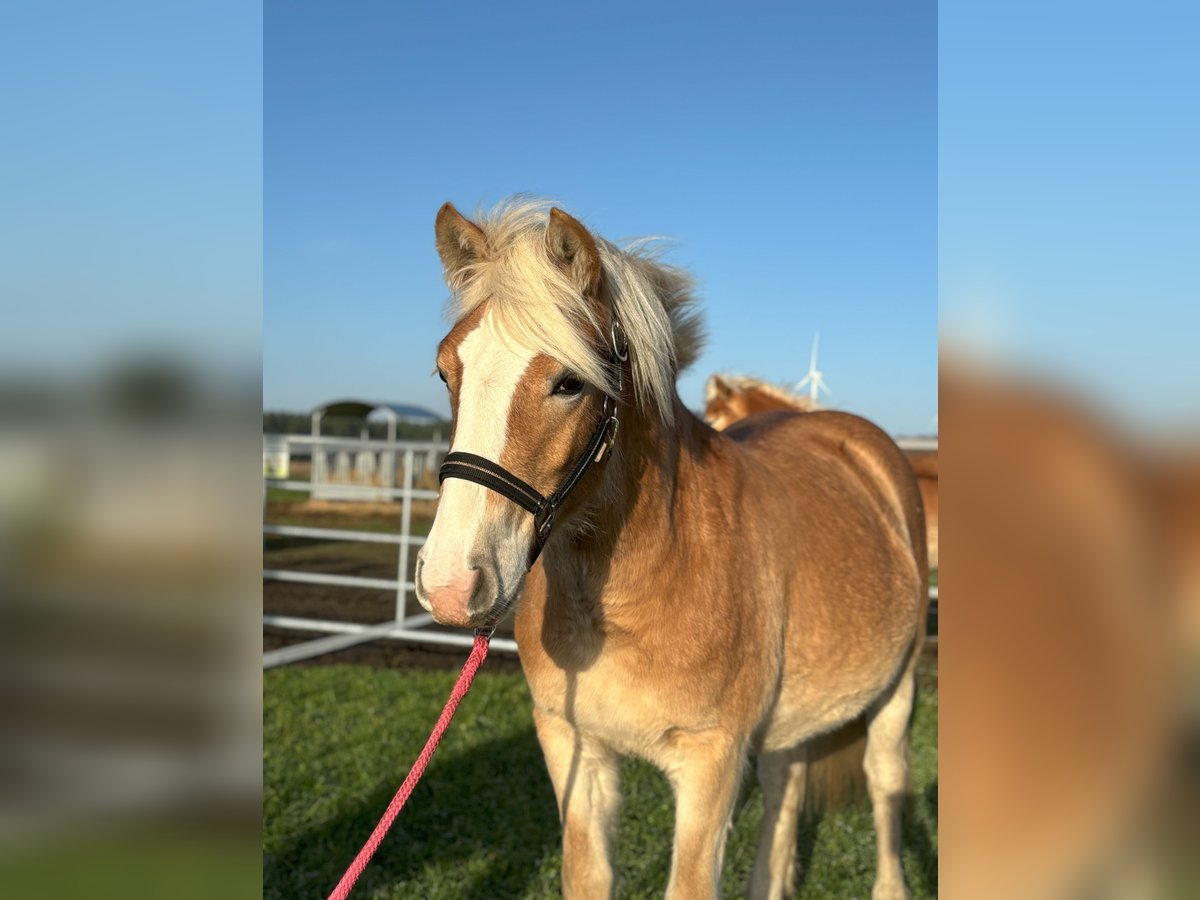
(339, 739)
(133, 862)
(284, 495)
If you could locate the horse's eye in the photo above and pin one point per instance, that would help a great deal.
(569, 386)
(442, 375)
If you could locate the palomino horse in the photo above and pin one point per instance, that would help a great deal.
(701, 597)
(731, 398)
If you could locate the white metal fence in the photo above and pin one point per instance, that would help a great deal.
(416, 456)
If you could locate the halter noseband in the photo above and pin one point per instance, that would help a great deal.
(495, 477)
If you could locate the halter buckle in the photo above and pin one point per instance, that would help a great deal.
(609, 439)
(543, 522)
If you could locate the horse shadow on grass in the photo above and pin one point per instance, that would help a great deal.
(484, 817)
(490, 805)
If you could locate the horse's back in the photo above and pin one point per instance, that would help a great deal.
(795, 446)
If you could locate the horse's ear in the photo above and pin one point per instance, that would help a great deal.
(459, 243)
(717, 388)
(574, 248)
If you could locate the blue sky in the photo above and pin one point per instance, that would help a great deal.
(1070, 196)
(789, 151)
(130, 183)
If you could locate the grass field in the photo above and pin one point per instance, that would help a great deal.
(339, 739)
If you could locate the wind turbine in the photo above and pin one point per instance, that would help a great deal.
(815, 379)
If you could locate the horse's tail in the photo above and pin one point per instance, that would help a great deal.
(835, 776)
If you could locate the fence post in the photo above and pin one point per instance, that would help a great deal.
(405, 533)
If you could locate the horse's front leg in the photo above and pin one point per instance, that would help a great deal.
(584, 773)
(705, 769)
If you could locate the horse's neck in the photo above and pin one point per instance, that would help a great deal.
(635, 512)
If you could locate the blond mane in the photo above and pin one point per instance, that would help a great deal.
(536, 303)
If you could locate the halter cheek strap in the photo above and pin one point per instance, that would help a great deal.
(495, 477)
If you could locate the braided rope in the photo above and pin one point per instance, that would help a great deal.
(470, 667)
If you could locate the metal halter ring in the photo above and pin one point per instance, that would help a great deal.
(620, 344)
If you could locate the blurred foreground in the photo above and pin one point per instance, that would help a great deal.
(129, 628)
(1070, 648)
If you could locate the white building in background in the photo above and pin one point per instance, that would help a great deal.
(339, 463)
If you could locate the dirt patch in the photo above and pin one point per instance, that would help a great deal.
(299, 470)
(421, 509)
(320, 601)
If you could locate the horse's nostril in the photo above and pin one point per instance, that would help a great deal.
(450, 601)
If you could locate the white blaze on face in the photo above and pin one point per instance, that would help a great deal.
(492, 367)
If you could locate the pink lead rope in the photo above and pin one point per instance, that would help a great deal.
(470, 667)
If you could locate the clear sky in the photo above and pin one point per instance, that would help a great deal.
(789, 150)
(130, 183)
(1070, 195)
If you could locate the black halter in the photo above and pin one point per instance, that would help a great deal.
(495, 477)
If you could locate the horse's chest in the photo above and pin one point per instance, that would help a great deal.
(625, 708)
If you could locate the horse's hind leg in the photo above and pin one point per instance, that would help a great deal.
(886, 766)
(782, 776)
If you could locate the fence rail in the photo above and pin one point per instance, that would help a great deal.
(340, 635)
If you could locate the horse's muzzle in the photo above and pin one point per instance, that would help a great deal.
(463, 600)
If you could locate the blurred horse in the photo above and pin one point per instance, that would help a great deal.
(731, 398)
(687, 596)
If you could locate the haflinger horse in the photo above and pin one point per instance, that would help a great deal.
(690, 597)
(731, 398)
